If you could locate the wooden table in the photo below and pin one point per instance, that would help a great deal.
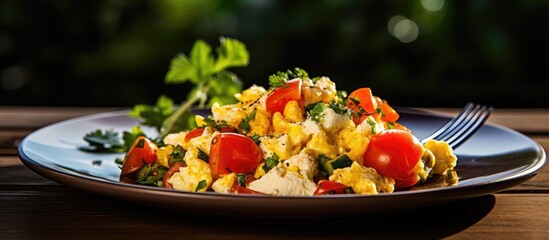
(33, 207)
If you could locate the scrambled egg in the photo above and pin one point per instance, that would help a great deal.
(444, 155)
(188, 178)
(224, 183)
(363, 180)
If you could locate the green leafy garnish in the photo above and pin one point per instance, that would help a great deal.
(280, 78)
(200, 185)
(277, 80)
(107, 142)
(245, 123)
(209, 75)
(130, 137)
(154, 116)
(390, 125)
(271, 162)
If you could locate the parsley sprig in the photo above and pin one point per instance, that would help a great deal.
(280, 78)
(212, 82)
(210, 76)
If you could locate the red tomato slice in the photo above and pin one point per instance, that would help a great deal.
(330, 187)
(194, 133)
(277, 99)
(388, 113)
(395, 153)
(173, 169)
(232, 152)
(362, 101)
(143, 151)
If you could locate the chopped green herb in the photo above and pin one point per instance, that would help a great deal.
(151, 174)
(338, 108)
(241, 179)
(372, 124)
(202, 184)
(213, 124)
(271, 162)
(390, 125)
(245, 123)
(341, 97)
(256, 138)
(203, 156)
(177, 155)
(315, 79)
(315, 111)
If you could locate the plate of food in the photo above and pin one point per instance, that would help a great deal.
(299, 149)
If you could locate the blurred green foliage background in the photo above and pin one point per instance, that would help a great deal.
(421, 53)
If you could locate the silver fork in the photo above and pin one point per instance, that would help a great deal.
(462, 126)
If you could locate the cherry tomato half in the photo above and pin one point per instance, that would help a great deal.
(395, 154)
(233, 152)
(277, 99)
(143, 151)
(173, 170)
(330, 187)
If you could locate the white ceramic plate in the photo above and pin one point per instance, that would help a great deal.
(495, 158)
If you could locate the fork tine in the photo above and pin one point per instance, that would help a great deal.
(451, 124)
(461, 124)
(471, 128)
